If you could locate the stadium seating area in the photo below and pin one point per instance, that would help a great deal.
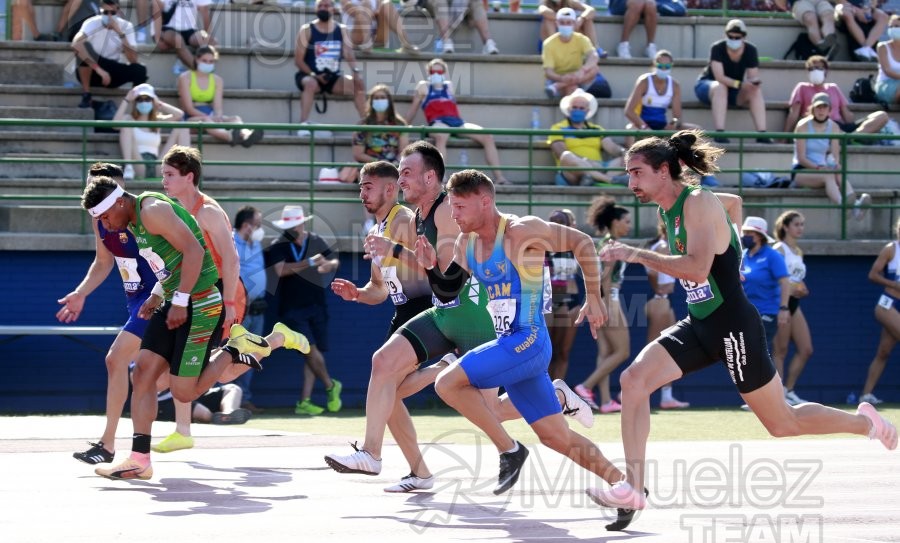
(497, 91)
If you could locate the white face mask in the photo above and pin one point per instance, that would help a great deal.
(734, 44)
(104, 19)
(662, 74)
(380, 105)
(257, 235)
(894, 32)
(566, 31)
(436, 79)
(206, 67)
(817, 77)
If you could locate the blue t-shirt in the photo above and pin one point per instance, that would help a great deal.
(253, 267)
(761, 274)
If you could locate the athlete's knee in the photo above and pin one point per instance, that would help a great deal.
(558, 441)
(805, 351)
(447, 384)
(633, 381)
(385, 363)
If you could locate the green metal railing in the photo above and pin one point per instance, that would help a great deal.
(535, 140)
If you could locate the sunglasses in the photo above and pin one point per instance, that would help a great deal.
(439, 72)
(144, 99)
(812, 68)
(108, 11)
(735, 36)
(662, 66)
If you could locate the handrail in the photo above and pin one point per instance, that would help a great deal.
(533, 138)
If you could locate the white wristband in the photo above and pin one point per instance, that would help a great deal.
(181, 299)
(158, 290)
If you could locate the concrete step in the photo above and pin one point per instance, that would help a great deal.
(58, 113)
(24, 72)
(42, 218)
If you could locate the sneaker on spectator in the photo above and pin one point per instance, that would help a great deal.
(587, 396)
(128, 172)
(306, 407)
(178, 68)
(611, 406)
(651, 50)
(85, 100)
(859, 212)
(448, 46)
(129, 469)
(623, 50)
(865, 53)
(490, 48)
(551, 91)
(173, 442)
(307, 133)
(870, 398)
(97, 454)
(792, 399)
(334, 396)
(411, 482)
(303, 133)
(358, 462)
(673, 404)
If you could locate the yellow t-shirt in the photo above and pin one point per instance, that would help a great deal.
(584, 146)
(565, 57)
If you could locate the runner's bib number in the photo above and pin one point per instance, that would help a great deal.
(886, 302)
(697, 292)
(393, 284)
(503, 313)
(128, 270)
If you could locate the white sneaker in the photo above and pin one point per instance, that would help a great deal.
(792, 399)
(128, 172)
(651, 50)
(411, 482)
(573, 406)
(178, 68)
(303, 133)
(306, 133)
(448, 46)
(870, 398)
(624, 50)
(863, 201)
(490, 48)
(358, 462)
(873, 54)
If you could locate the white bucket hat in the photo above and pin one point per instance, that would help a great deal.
(758, 225)
(291, 216)
(566, 102)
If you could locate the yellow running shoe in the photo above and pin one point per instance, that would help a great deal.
(292, 340)
(306, 407)
(173, 442)
(334, 396)
(246, 343)
(129, 469)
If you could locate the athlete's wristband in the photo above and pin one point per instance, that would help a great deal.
(397, 250)
(181, 299)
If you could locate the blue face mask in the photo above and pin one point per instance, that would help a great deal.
(748, 241)
(566, 31)
(380, 105)
(577, 115)
(662, 74)
(104, 19)
(144, 108)
(734, 44)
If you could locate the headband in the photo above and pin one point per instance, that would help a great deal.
(107, 202)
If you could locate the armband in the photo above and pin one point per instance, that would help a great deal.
(181, 299)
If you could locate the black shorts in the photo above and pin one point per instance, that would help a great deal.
(733, 333)
(405, 312)
(328, 87)
(185, 34)
(793, 304)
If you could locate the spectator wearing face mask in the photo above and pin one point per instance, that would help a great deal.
(887, 84)
(802, 97)
(138, 143)
(201, 92)
(632, 11)
(731, 79)
(863, 23)
(818, 18)
(568, 57)
(376, 146)
(248, 240)
(765, 277)
(584, 22)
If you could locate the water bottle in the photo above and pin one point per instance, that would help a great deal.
(851, 398)
(535, 117)
(464, 158)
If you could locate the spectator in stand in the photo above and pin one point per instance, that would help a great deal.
(73, 15)
(200, 92)
(731, 79)
(653, 94)
(21, 16)
(765, 277)
(864, 24)
(887, 85)
(99, 45)
(573, 150)
(568, 57)
(885, 272)
(320, 47)
(182, 26)
(788, 229)
(450, 14)
(375, 146)
(248, 238)
(304, 264)
(439, 106)
(142, 104)
(633, 11)
(369, 23)
(802, 97)
(566, 300)
(815, 161)
(818, 18)
(584, 21)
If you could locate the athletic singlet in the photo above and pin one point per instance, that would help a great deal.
(724, 275)
(399, 290)
(653, 104)
(662, 278)
(892, 270)
(147, 141)
(816, 148)
(515, 292)
(203, 96)
(439, 104)
(617, 273)
(133, 269)
(216, 255)
(164, 259)
(895, 66)
(794, 262)
(324, 50)
(563, 268)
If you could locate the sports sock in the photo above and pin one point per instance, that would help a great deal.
(514, 449)
(666, 394)
(140, 443)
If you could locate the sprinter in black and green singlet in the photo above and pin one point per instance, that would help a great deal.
(182, 333)
(721, 322)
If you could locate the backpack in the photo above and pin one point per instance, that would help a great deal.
(764, 180)
(863, 92)
(104, 110)
(802, 48)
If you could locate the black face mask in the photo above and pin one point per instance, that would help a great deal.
(324, 15)
(748, 241)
